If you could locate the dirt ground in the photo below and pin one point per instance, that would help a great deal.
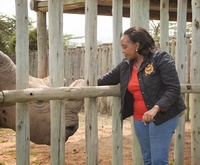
(75, 147)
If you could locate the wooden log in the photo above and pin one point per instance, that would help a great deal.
(164, 25)
(181, 68)
(190, 88)
(91, 124)
(173, 48)
(56, 74)
(68, 65)
(68, 4)
(117, 56)
(42, 45)
(57, 93)
(139, 17)
(105, 8)
(33, 64)
(187, 95)
(195, 78)
(139, 13)
(103, 68)
(22, 78)
(77, 58)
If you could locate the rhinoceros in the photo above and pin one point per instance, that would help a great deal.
(39, 110)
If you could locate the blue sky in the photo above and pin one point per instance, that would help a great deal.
(75, 27)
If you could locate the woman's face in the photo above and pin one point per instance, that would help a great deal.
(129, 48)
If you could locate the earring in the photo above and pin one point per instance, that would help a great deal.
(136, 50)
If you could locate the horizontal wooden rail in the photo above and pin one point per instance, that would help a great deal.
(190, 88)
(56, 93)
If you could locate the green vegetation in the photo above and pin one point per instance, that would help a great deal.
(154, 29)
(8, 36)
(7, 31)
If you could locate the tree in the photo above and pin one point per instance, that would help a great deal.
(8, 35)
(68, 40)
(154, 29)
(7, 31)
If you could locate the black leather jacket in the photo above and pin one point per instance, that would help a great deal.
(159, 85)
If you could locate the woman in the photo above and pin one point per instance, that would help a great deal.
(150, 91)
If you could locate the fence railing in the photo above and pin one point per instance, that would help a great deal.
(75, 60)
(24, 95)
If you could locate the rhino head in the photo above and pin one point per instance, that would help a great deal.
(39, 110)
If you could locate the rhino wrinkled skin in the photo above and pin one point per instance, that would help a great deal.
(39, 110)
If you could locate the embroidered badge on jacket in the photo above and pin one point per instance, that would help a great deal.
(149, 69)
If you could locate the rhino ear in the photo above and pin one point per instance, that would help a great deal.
(7, 72)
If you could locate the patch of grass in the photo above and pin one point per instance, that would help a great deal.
(170, 162)
(6, 135)
(7, 152)
(6, 131)
(2, 163)
(36, 162)
(33, 154)
(3, 141)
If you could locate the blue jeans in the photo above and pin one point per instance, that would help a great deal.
(155, 140)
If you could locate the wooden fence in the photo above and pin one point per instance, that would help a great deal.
(74, 60)
(139, 15)
(74, 67)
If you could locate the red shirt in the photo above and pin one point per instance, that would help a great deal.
(134, 88)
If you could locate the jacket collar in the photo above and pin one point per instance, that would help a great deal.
(143, 65)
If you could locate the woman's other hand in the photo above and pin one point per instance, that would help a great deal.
(149, 115)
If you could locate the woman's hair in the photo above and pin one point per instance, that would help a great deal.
(140, 35)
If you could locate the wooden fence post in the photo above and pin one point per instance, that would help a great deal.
(181, 68)
(33, 64)
(141, 9)
(42, 45)
(173, 48)
(68, 65)
(117, 150)
(90, 104)
(103, 68)
(56, 74)
(188, 58)
(164, 25)
(22, 81)
(77, 58)
(195, 78)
